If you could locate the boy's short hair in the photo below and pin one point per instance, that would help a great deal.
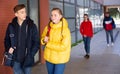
(18, 7)
(107, 12)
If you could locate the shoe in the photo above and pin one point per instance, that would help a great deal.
(108, 45)
(112, 44)
(87, 56)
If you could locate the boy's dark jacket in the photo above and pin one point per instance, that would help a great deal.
(108, 19)
(32, 40)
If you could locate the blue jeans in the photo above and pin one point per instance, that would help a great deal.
(55, 68)
(18, 69)
(87, 44)
(111, 35)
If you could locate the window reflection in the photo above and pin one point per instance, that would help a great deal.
(75, 17)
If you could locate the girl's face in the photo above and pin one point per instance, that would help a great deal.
(55, 16)
(85, 18)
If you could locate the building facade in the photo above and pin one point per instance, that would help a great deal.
(39, 11)
(73, 11)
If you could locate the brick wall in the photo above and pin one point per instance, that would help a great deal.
(44, 19)
(6, 14)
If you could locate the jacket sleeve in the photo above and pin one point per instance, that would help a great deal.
(81, 28)
(43, 35)
(63, 44)
(91, 29)
(104, 23)
(7, 40)
(35, 40)
(113, 21)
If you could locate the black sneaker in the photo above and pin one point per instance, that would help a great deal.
(87, 56)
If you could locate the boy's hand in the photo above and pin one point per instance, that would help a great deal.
(11, 50)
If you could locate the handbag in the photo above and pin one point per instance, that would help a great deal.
(7, 59)
(113, 26)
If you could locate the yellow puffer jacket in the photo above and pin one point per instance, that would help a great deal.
(57, 50)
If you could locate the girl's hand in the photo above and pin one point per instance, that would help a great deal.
(84, 35)
(11, 50)
(46, 39)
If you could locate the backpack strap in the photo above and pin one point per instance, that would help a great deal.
(48, 31)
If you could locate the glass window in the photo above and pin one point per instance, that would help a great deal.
(81, 20)
(78, 23)
(54, 4)
(80, 11)
(95, 5)
(91, 4)
(99, 6)
(87, 3)
(34, 11)
(86, 10)
(72, 1)
(80, 2)
(71, 23)
(91, 13)
(83, 6)
(67, 0)
(69, 10)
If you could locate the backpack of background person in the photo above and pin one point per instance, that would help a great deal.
(114, 26)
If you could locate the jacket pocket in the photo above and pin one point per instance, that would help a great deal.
(29, 61)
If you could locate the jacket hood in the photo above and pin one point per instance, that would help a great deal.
(63, 23)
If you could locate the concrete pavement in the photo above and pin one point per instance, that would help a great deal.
(103, 59)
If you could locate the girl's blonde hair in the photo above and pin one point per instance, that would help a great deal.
(58, 9)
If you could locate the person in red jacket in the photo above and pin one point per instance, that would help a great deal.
(87, 33)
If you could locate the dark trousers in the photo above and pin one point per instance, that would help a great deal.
(111, 35)
(87, 44)
(55, 68)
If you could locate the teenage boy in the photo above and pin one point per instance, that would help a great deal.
(22, 40)
(108, 23)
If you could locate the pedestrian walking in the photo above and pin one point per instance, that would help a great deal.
(57, 40)
(109, 25)
(87, 33)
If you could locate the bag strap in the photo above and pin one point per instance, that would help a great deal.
(48, 31)
(49, 28)
(3, 60)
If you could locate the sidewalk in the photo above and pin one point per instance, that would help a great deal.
(103, 59)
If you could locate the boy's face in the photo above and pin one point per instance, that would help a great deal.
(107, 15)
(55, 16)
(21, 14)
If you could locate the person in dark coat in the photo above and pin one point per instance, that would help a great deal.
(22, 40)
(108, 25)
